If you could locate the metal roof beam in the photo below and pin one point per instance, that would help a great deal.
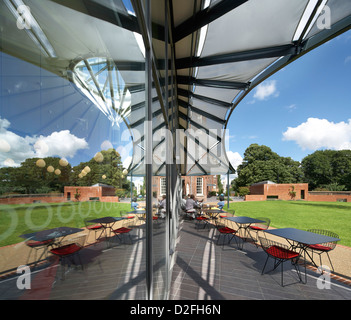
(261, 53)
(188, 94)
(212, 83)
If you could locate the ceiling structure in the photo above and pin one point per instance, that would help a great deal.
(217, 52)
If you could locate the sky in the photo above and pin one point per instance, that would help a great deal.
(300, 109)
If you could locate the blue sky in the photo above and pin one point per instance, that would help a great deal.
(311, 96)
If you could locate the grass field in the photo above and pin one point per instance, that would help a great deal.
(333, 216)
(19, 219)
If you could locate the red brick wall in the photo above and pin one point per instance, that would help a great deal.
(282, 190)
(255, 197)
(257, 189)
(91, 192)
(31, 199)
(262, 191)
(321, 196)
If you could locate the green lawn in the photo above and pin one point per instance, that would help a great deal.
(19, 219)
(333, 216)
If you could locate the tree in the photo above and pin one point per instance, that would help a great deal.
(105, 167)
(260, 163)
(328, 167)
(219, 185)
(30, 178)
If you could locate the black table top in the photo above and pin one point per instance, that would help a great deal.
(139, 211)
(50, 233)
(104, 220)
(244, 220)
(301, 236)
(213, 210)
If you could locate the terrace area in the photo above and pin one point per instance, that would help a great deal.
(201, 270)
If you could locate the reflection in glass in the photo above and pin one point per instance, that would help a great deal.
(100, 80)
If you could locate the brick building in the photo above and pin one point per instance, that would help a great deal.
(267, 190)
(199, 186)
(101, 192)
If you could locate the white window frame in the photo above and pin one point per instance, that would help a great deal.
(199, 183)
(163, 186)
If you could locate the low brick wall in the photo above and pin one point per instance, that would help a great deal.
(109, 199)
(31, 199)
(255, 197)
(332, 196)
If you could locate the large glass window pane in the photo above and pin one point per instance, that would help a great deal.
(68, 95)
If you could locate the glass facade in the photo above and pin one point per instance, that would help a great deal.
(100, 97)
(75, 110)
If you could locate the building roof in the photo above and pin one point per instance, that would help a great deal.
(218, 52)
(102, 185)
(263, 182)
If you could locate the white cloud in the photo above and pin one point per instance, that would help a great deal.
(266, 90)
(127, 161)
(234, 158)
(14, 149)
(320, 133)
(61, 143)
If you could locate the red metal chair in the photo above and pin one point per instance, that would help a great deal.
(256, 227)
(324, 247)
(123, 231)
(68, 250)
(280, 253)
(36, 246)
(201, 220)
(226, 231)
(93, 227)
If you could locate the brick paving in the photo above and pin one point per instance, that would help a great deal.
(202, 270)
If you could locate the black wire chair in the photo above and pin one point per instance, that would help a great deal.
(93, 227)
(261, 226)
(68, 250)
(224, 231)
(280, 253)
(323, 247)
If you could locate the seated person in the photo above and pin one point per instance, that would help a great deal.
(191, 206)
(183, 202)
(221, 202)
(162, 207)
(135, 205)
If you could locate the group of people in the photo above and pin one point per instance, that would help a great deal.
(189, 204)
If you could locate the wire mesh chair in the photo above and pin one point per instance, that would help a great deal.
(231, 212)
(123, 231)
(38, 245)
(68, 250)
(261, 226)
(128, 218)
(201, 220)
(93, 227)
(323, 247)
(280, 253)
(224, 231)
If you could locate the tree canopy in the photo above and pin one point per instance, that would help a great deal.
(260, 163)
(50, 174)
(325, 168)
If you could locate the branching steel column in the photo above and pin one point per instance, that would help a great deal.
(144, 19)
